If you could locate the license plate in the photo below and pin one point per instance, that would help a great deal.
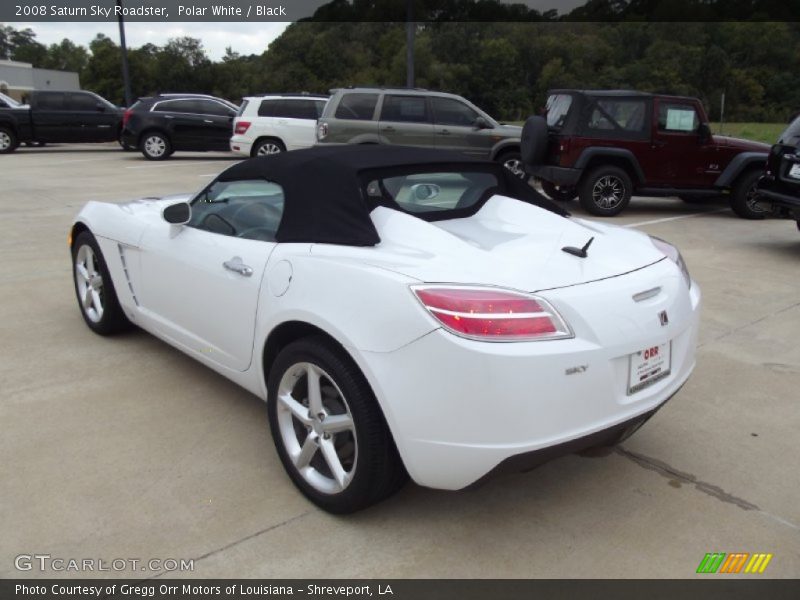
(795, 171)
(648, 366)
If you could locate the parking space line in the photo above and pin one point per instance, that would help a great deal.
(172, 164)
(665, 219)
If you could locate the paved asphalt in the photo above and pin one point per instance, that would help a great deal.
(126, 448)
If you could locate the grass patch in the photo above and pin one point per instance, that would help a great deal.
(757, 132)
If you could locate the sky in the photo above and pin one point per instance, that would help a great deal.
(244, 38)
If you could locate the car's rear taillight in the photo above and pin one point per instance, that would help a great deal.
(126, 116)
(322, 131)
(490, 314)
(241, 127)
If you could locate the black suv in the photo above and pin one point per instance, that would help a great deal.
(779, 188)
(160, 125)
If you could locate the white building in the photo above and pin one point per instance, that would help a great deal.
(19, 78)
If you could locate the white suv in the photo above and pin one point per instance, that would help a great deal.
(275, 123)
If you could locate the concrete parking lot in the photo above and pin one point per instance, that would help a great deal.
(125, 448)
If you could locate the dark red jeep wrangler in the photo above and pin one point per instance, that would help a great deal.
(604, 146)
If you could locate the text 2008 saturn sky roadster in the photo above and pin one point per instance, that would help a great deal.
(404, 312)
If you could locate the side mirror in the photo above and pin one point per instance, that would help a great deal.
(177, 214)
(705, 132)
(481, 123)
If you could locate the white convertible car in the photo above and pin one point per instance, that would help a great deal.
(402, 311)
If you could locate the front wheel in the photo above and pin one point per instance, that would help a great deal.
(8, 141)
(97, 298)
(155, 146)
(744, 197)
(605, 191)
(328, 429)
(561, 193)
(513, 162)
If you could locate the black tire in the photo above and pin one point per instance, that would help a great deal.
(605, 191)
(512, 160)
(8, 140)
(155, 145)
(533, 141)
(268, 146)
(561, 193)
(110, 318)
(376, 471)
(743, 195)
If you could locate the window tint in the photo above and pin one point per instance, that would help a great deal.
(293, 109)
(792, 134)
(250, 209)
(618, 114)
(405, 109)
(267, 108)
(211, 107)
(180, 106)
(50, 101)
(434, 192)
(357, 106)
(83, 102)
(447, 111)
(677, 117)
(557, 110)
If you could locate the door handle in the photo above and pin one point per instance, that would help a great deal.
(444, 131)
(237, 266)
(388, 129)
(659, 144)
(168, 117)
(207, 121)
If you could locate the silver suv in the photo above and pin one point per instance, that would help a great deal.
(416, 117)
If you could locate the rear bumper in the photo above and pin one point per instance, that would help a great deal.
(241, 145)
(129, 138)
(461, 409)
(556, 175)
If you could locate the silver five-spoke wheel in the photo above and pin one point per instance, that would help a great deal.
(89, 284)
(5, 141)
(268, 148)
(317, 428)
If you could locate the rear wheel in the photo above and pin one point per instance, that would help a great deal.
(155, 146)
(745, 195)
(328, 429)
(94, 289)
(561, 193)
(605, 191)
(265, 147)
(8, 141)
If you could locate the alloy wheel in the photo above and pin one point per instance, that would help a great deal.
(515, 166)
(155, 146)
(608, 192)
(268, 148)
(751, 200)
(89, 283)
(5, 141)
(316, 428)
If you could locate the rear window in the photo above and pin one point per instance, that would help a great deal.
(621, 115)
(50, 101)
(435, 194)
(291, 109)
(557, 110)
(405, 109)
(360, 107)
(791, 137)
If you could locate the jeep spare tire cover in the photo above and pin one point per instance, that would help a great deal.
(534, 141)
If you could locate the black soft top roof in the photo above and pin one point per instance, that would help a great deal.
(322, 186)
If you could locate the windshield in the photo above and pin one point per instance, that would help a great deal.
(9, 101)
(557, 109)
(791, 137)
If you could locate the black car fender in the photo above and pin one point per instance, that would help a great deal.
(740, 163)
(595, 152)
